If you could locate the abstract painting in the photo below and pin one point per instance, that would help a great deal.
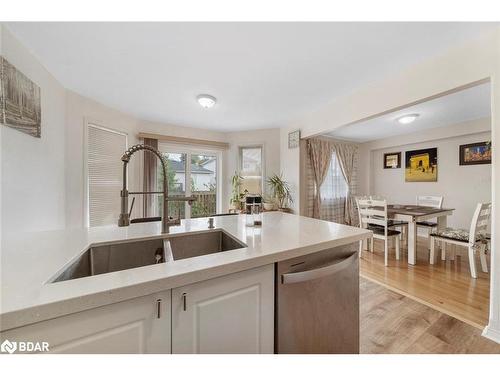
(20, 106)
(421, 165)
(475, 153)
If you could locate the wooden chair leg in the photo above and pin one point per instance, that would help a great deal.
(472, 262)
(432, 252)
(398, 246)
(386, 252)
(453, 250)
(371, 244)
(482, 256)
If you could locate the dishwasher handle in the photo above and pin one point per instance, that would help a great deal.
(316, 273)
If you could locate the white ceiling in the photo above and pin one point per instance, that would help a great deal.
(263, 74)
(466, 105)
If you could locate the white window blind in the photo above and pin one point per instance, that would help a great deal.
(251, 169)
(105, 148)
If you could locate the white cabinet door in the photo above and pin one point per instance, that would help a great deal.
(229, 314)
(139, 325)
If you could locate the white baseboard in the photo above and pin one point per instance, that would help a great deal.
(491, 334)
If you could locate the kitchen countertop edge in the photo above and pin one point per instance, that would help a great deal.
(33, 314)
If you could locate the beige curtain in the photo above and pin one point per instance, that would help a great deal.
(346, 155)
(320, 154)
(149, 181)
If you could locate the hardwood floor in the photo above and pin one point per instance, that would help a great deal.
(445, 286)
(391, 323)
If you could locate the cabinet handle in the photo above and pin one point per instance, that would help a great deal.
(158, 308)
(184, 301)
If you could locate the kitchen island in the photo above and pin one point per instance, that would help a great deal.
(31, 300)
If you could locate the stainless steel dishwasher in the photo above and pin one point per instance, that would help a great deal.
(317, 302)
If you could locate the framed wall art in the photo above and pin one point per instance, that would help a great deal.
(475, 153)
(20, 106)
(421, 165)
(392, 160)
(294, 139)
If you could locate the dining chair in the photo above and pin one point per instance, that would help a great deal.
(373, 216)
(366, 242)
(475, 239)
(429, 201)
(395, 224)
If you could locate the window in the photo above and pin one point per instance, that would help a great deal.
(199, 178)
(104, 167)
(204, 184)
(251, 169)
(176, 171)
(334, 186)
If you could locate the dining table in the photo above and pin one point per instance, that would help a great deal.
(412, 214)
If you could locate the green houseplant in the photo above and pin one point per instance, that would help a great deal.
(236, 196)
(280, 190)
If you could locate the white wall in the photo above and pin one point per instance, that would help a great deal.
(461, 186)
(79, 111)
(33, 169)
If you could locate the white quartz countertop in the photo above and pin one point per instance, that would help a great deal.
(30, 260)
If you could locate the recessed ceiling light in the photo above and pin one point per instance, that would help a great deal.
(206, 101)
(408, 119)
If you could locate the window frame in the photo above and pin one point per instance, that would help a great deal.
(169, 147)
(89, 122)
(263, 162)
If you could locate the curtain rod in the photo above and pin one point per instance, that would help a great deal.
(184, 140)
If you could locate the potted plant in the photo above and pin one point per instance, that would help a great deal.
(236, 196)
(268, 203)
(280, 191)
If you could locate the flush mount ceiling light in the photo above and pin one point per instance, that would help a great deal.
(206, 101)
(408, 119)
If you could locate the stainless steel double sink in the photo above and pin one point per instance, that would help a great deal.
(126, 255)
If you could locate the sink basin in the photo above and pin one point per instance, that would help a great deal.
(114, 257)
(197, 244)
